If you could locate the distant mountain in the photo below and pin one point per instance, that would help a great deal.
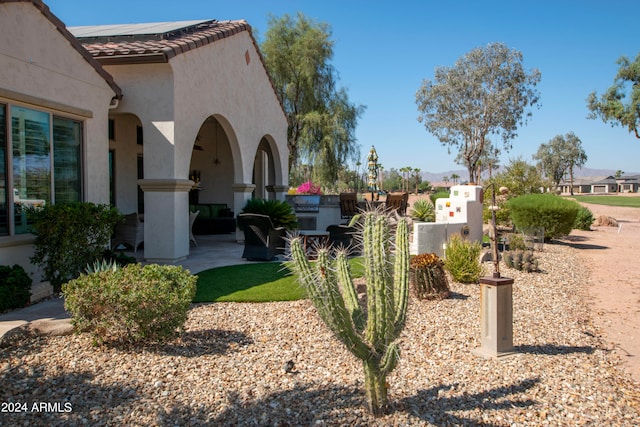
(464, 175)
(437, 176)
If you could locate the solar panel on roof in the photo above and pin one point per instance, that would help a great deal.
(116, 30)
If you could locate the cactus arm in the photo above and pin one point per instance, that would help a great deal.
(401, 277)
(325, 296)
(377, 274)
(390, 359)
(349, 292)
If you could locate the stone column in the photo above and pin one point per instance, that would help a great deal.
(496, 317)
(166, 221)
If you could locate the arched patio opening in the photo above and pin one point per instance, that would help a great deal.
(264, 171)
(212, 165)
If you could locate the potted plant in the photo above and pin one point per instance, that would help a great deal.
(307, 197)
(280, 212)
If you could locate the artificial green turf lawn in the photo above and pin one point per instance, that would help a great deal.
(625, 201)
(256, 282)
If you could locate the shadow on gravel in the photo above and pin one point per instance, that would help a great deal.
(553, 350)
(577, 242)
(202, 342)
(339, 405)
(48, 403)
(92, 402)
(429, 407)
(456, 295)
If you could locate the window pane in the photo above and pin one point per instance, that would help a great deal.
(31, 162)
(67, 176)
(4, 213)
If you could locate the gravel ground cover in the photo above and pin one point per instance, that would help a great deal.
(228, 368)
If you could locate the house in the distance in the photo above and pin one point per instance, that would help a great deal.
(133, 115)
(602, 185)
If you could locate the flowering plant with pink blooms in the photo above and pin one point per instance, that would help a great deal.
(309, 188)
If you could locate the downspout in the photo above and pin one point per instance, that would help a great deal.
(115, 101)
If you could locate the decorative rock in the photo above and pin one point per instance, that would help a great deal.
(227, 366)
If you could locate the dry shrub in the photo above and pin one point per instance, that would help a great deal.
(605, 221)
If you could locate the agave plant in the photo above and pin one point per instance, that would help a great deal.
(101, 265)
(422, 210)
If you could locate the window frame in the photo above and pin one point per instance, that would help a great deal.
(8, 145)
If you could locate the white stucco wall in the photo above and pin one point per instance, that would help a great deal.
(40, 69)
(225, 80)
(215, 79)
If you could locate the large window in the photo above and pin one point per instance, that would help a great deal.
(4, 194)
(45, 163)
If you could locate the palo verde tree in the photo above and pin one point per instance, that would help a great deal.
(560, 156)
(322, 121)
(611, 106)
(487, 92)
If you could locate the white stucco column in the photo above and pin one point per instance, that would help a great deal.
(241, 193)
(166, 227)
(280, 191)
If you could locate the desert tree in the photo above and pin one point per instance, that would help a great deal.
(561, 156)
(611, 106)
(487, 92)
(322, 121)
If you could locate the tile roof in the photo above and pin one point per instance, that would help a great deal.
(148, 43)
(159, 42)
(62, 29)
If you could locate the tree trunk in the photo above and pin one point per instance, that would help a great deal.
(375, 383)
(571, 181)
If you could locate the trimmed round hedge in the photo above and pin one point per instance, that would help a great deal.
(556, 214)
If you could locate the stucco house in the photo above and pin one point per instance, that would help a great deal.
(628, 183)
(128, 115)
(581, 185)
(602, 185)
(605, 185)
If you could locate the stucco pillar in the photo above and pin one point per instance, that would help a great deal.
(166, 220)
(280, 191)
(496, 317)
(241, 193)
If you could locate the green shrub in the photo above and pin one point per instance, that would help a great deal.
(423, 210)
(439, 195)
(462, 259)
(69, 236)
(15, 287)
(134, 303)
(584, 219)
(280, 212)
(556, 214)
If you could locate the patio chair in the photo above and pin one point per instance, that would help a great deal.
(397, 202)
(262, 241)
(348, 205)
(343, 237)
(192, 219)
(130, 232)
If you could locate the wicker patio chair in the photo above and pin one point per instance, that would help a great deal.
(262, 241)
(130, 232)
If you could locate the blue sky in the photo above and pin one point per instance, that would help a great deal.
(383, 51)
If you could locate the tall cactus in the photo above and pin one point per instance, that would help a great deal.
(369, 334)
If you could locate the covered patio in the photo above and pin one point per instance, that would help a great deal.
(199, 124)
